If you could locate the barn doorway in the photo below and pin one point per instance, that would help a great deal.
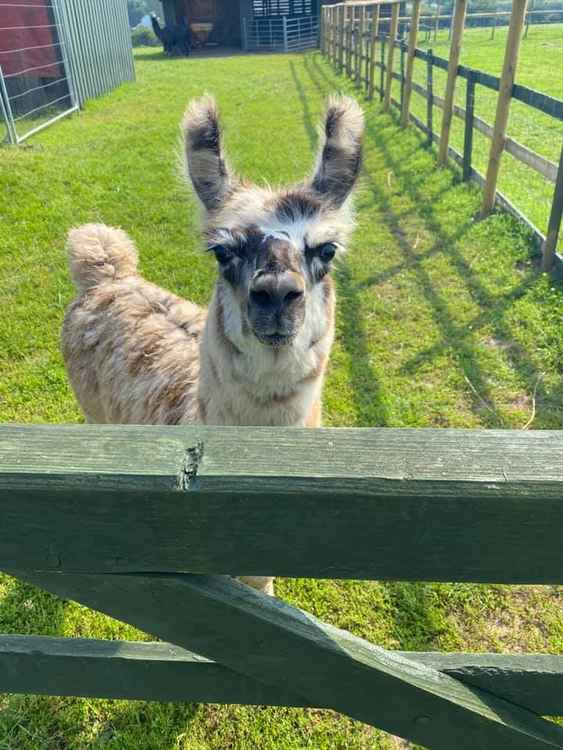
(212, 23)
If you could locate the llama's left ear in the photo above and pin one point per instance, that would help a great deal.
(206, 164)
(340, 155)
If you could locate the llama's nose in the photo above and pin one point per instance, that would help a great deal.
(275, 292)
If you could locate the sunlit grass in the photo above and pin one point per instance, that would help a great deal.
(442, 321)
(540, 68)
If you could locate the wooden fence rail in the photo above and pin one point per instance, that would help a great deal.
(348, 38)
(113, 516)
(371, 490)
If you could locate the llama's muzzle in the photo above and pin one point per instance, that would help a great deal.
(276, 306)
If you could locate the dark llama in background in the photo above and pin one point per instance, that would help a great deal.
(175, 39)
(137, 354)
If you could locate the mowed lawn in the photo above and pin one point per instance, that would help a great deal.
(442, 321)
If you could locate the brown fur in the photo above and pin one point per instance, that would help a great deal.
(136, 353)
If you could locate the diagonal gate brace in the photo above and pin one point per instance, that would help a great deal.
(282, 646)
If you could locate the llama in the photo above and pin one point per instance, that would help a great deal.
(137, 354)
(175, 39)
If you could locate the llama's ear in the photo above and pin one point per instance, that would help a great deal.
(340, 155)
(205, 161)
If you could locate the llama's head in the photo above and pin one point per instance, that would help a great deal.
(275, 248)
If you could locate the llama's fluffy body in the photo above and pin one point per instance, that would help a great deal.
(138, 354)
(131, 348)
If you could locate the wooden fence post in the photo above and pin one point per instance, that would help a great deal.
(413, 32)
(327, 22)
(390, 54)
(528, 18)
(374, 32)
(352, 40)
(334, 35)
(469, 119)
(550, 244)
(358, 68)
(402, 73)
(350, 19)
(327, 19)
(382, 70)
(341, 37)
(455, 50)
(430, 100)
(503, 102)
(367, 47)
(360, 45)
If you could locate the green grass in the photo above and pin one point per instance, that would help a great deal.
(541, 68)
(442, 321)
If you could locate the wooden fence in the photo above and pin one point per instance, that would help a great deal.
(350, 36)
(430, 25)
(113, 517)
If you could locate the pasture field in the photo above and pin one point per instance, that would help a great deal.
(442, 321)
(540, 68)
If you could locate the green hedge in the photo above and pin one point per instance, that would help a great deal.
(144, 37)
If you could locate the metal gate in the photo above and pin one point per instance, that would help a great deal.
(280, 33)
(57, 54)
(36, 83)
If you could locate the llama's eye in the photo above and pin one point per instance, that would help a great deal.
(326, 252)
(222, 253)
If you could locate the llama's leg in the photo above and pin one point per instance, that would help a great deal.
(261, 583)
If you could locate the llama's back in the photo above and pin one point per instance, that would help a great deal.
(131, 349)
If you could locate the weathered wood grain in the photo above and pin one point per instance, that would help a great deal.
(539, 163)
(160, 671)
(534, 681)
(366, 504)
(507, 79)
(555, 217)
(270, 641)
(393, 29)
(455, 51)
(372, 62)
(134, 671)
(413, 32)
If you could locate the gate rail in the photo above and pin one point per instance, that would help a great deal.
(113, 516)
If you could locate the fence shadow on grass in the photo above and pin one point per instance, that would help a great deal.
(417, 617)
(494, 308)
(369, 407)
(414, 622)
(455, 338)
(480, 393)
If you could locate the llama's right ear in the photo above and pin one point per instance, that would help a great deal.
(340, 156)
(206, 164)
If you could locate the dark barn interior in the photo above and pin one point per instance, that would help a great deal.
(219, 22)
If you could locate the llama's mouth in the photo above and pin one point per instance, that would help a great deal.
(275, 339)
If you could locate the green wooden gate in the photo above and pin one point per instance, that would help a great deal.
(113, 517)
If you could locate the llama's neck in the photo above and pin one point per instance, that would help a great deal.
(244, 382)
